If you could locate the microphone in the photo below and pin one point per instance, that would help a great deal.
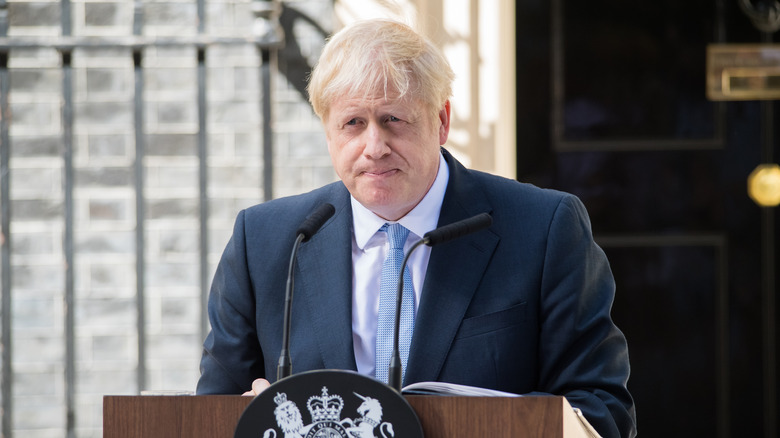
(315, 220)
(457, 229)
(308, 228)
(431, 238)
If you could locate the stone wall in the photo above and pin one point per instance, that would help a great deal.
(106, 336)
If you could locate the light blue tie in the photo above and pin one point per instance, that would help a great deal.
(388, 289)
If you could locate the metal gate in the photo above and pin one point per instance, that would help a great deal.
(265, 39)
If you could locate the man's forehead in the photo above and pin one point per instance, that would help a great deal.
(376, 102)
(361, 103)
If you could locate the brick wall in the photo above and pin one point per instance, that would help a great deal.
(106, 336)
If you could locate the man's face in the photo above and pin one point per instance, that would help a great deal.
(386, 151)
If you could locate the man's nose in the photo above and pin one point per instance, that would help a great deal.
(376, 142)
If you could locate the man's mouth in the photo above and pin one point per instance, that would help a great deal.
(380, 172)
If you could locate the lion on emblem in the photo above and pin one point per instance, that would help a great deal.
(288, 417)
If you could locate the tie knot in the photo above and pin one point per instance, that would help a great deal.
(396, 235)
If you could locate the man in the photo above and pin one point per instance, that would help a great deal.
(523, 306)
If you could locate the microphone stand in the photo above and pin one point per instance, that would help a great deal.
(431, 238)
(395, 370)
(308, 228)
(284, 367)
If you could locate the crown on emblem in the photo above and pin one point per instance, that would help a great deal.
(326, 407)
(280, 398)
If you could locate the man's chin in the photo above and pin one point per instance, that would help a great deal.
(383, 208)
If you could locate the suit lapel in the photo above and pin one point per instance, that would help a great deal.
(454, 272)
(324, 287)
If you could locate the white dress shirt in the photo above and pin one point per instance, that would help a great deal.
(368, 252)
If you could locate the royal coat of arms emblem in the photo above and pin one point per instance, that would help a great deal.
(325, 411)
(329, 404)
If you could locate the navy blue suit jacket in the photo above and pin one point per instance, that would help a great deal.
(523, 306)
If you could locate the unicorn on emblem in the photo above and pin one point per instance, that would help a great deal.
(370, 412)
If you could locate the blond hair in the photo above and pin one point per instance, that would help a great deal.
(378, 56)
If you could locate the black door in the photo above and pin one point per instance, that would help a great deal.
(612, 107)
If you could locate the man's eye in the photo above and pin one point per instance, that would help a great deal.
(393, 119)
(352, 122)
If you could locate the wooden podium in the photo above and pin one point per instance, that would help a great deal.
(216, 416)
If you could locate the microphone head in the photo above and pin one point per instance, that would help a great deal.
(315, 220)
(458, 229)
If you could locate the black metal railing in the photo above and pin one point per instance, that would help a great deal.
(267, 37)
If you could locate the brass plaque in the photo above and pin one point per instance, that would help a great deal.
(743, 71)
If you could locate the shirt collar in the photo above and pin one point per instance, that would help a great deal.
(423, 218)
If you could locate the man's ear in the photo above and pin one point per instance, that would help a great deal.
(444, 118)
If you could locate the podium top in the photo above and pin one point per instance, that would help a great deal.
(216, 416)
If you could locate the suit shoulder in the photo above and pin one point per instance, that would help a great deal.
(513, 192)
(289, 211)
(334, 193)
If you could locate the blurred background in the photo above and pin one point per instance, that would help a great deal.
(132, 133)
